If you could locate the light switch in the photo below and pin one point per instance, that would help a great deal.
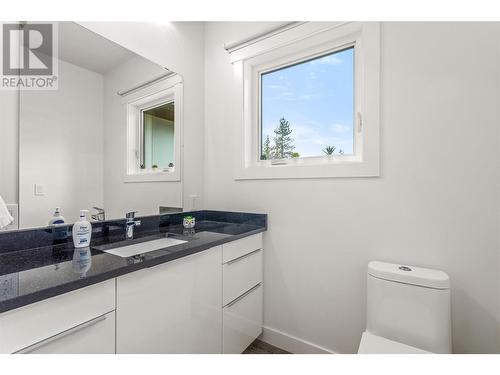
(39, 189)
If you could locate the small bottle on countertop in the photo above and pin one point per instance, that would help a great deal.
(57, 218)
(82, 230)
(60, 231)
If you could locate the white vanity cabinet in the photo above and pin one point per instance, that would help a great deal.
(208, 302)
(80, 321)
(174, 307)
(242, 304)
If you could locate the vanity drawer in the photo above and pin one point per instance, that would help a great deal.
(28, 325)
(236, 249)
(242, 321)
(97, 336)
(241, 274)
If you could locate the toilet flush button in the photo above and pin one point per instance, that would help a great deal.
(404, 268)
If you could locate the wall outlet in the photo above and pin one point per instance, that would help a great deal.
(192, 199)
(9, 286)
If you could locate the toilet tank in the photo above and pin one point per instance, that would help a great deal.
(410, 305)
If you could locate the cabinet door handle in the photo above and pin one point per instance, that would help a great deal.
(237, 299)
(59, 336)
(243, 256)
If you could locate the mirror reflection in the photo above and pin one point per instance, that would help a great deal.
(106, 140)
(157, 144)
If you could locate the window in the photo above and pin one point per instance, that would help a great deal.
(310, 101)
(154, 123)
(307, 109)
(157, 130)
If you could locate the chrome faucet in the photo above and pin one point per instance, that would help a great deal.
(100, 215)
(131, 224)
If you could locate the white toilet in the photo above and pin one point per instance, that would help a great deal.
(408, 310)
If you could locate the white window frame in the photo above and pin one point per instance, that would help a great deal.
(301, 43)
(165, 91)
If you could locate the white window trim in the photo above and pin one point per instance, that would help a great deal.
(302, 42)
(166, 90)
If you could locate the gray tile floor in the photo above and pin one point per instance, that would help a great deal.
(261, 347)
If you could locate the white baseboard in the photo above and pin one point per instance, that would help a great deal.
(291, 343)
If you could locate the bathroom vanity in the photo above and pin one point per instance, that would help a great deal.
(143, 286)
(202, 294)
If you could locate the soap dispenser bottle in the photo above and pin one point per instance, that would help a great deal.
(82, 231)
(59, 230)
(57, 218)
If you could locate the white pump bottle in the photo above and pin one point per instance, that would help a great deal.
(82, 231)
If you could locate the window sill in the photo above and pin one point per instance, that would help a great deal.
(296, 170)
(159, 176)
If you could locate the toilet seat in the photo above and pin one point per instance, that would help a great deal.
(373, 344)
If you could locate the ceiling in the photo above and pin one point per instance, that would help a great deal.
(166, 111)
(82, 47)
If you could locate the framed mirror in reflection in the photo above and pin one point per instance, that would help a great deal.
(107, 139)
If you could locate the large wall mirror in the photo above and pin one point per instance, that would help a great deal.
(108, 139)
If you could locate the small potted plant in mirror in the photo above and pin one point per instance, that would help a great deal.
(170, 168)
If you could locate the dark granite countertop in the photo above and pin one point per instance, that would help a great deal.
(32, 270)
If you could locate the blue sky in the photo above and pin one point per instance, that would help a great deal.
(316, 97)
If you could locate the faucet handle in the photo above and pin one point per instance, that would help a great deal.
(131, 215)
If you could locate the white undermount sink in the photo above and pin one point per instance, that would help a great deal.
(141, 247)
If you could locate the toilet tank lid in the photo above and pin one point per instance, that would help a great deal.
(409, 275)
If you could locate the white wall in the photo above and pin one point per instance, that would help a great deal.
(9, 159)
(178, 46)
(8, 145)
(121, 197)
(61, 147)
(435, 204)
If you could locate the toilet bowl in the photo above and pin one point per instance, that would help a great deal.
(408, 310)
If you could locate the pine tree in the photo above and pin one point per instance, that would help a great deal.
(283, 143)
(267, 150)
